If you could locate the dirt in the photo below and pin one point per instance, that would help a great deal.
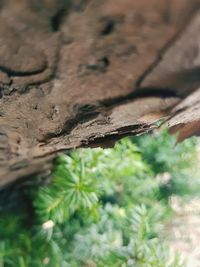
(184, 230)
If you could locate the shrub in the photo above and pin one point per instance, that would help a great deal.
(102, 208)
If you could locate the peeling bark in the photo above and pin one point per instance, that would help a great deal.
(86, 73)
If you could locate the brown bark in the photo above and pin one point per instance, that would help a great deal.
(86, 73)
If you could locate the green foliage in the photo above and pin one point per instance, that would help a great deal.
(177, 161)
(102, 208)
(73, 189)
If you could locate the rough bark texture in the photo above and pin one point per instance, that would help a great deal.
(85, 73)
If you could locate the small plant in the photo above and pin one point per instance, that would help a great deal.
(102, 208)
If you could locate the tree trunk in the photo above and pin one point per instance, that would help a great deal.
(87, 72)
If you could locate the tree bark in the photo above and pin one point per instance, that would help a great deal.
(86, 73)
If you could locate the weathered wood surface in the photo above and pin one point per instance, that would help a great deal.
(87, 72)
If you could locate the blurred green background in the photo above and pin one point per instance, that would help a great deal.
(102, 207)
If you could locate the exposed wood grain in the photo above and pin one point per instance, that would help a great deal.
(86, 73)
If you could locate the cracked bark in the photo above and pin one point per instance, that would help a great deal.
(86, 73)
